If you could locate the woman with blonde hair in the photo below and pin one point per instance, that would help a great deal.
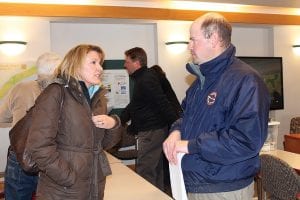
(71, 128)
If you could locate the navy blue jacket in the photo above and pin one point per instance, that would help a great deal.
(225, 120)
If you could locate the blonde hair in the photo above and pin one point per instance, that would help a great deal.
(73, 60)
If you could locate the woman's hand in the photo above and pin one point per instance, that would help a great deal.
(104, 121)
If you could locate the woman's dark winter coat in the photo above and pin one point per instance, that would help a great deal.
(67, 146)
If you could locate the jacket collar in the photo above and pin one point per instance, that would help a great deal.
(44, 82)
(214, 66)
(137, 72)
(73, 86)
(76, 91)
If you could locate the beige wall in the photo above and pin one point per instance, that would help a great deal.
(284, 38)
(172, 63)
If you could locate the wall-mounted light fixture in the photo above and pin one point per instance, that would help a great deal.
(176, 42)
(296, 49)
(12, 47)
(177, 47)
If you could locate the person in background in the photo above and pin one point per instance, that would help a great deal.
(169, 92)
(225, 117)
(150, 113)
(20, 185)
(70, 129)
(167, 88)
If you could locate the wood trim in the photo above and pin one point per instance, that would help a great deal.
(117, 12)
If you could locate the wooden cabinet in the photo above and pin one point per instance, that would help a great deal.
(292, 143)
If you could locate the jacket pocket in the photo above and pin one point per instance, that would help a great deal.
(81, 164)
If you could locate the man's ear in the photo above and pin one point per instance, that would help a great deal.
(137, 64)
(214, 40)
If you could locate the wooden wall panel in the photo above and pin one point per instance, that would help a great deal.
(117, 12)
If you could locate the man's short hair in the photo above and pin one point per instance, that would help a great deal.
(137, 54)
(214, 22)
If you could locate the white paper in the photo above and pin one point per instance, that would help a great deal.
(117, 84)
(177, 182)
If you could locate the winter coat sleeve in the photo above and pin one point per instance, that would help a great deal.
(42, 137)
(112, 136)
(125, 115)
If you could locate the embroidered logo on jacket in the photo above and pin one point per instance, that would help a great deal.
(211, 98)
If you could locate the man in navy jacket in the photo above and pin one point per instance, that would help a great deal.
(225, 118)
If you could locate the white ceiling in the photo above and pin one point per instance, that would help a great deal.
(284, 7)
(163, 3)
(271, 3)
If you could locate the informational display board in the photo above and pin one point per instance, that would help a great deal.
(116, 80)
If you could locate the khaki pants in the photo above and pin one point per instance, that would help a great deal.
(242, 194)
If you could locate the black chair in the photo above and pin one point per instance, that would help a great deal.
(295, 125)
(279, 179)
(127, 140)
